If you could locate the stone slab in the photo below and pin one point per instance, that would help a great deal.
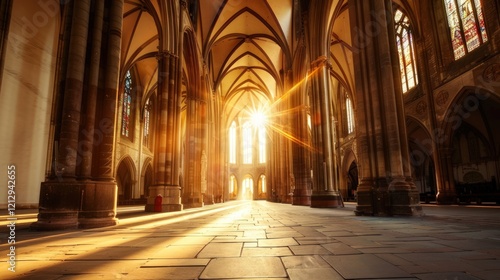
(162, 273)
(314, 273)
(175, 262)
(304, 262)
(364, 267)
(447, 275)
(309, 250)
(244, 267)
(277, 242)
(266, 252)
(221, 250)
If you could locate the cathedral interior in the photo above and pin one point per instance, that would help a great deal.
(175, 105)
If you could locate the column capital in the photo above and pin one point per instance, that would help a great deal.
(319, 61)
(163, 54)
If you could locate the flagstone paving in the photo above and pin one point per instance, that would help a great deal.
(263, 240)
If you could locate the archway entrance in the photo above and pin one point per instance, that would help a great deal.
(247, 188)
(422, 163)
(233, 187)
(475, 145)
(352, 181)
(124, 181)
(148, 181)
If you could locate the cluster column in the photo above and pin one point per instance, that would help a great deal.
(385, 187)
(166, 158)
(81, 191)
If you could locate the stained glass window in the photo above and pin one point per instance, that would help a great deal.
(350, 115)
(467, 28)
(232, 143)
(406, 51)
(147, 123)
(127, 103)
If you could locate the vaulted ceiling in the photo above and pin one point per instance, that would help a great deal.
(244, 44)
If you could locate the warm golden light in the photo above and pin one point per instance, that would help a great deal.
(258, 119)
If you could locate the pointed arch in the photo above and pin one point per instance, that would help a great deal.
(126, 180)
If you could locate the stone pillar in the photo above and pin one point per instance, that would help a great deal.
(192, 193)
(446, 192)
(166, 177)
(83, 192)
(324, 191)
(385, 187)
(301, 158)
(60, 200)
(90, 100)
(99, 197)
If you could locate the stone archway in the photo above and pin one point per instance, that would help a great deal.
(352, 181)
(147, 180)
(471, 142)
(422, 164)
(125, 179)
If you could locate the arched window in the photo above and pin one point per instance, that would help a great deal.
(127, 106)
(247, 190)
(263, 186)
(406, 51)
(148, 109)
(232, 143)
(350, 115)
(466, 22)
(262, 144)
(247, 138)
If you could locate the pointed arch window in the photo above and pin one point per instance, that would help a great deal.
(148, 110)
(127, 106)
(247, 143)
(262, 144)
(232, 143)
(263, 186)
(350, 115)
(467, 28)
(406, 51)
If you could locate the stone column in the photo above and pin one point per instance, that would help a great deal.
(166, 180)
(60, 200)
(192, 193)
(300, 148)
(446, 191)
(83, 194)
(88, 132)
(99, 198)
(385, 187)
(324, 191)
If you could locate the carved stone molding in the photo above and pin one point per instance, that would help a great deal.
(442, 98)
(421, 108)
(492, 73)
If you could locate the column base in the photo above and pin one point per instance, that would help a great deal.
(301, 197)
(326, 200)
(170, 199)
(446, 198)
(192, 201)
(399, 198)
(208, 199)
(70, 205)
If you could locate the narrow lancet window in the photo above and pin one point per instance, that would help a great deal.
(127, 104)
(406, 51)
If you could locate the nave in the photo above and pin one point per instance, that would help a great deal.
(263, 240)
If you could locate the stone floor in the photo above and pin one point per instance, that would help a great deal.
(263, 240)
